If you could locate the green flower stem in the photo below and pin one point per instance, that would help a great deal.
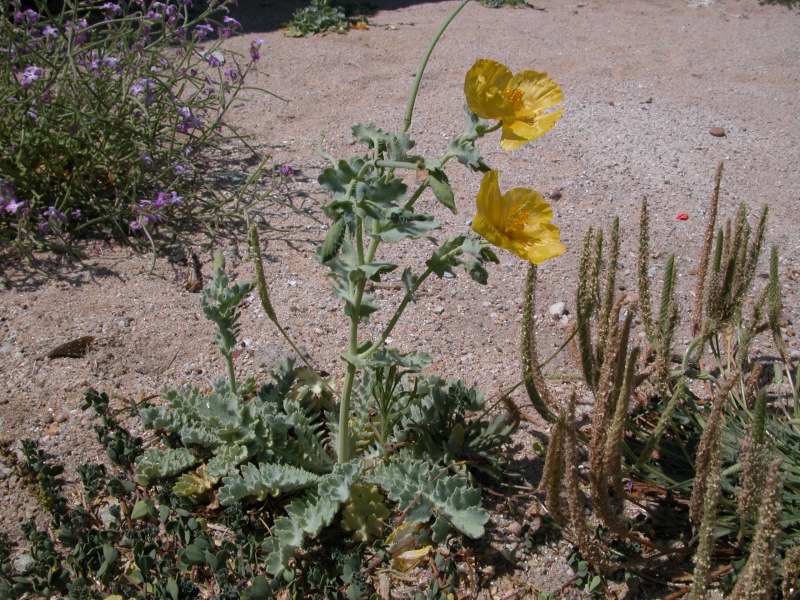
(402, 306)
(415, 86)
(399, 311)
(231, 371)
(343, 444)
(398, 164)
(415, 196)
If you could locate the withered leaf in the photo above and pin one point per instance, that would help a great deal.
(72, 349)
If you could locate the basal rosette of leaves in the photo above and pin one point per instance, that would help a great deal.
(111, 111)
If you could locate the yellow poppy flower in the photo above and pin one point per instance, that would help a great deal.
(519, 101)
(518, 221)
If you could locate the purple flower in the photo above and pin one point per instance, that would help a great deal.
(42, 227)
(145, 86)
(79, 29)
(180, 169)
(109, 62)
(13, 205)
(231, 22)
(216, 59)
(32, 114)
(49, 31)
(255, 46)
(27, 16)
(286, 170)
(135, 225)
(111, 9)
(189, 120)
(167, 199)
(203, 30)
(31, 74)
(54, 214)
(146, 159)
(232, 74)
(75, 214)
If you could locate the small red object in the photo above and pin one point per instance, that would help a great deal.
(682, 217)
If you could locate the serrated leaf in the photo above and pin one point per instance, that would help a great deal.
(423, 490)
(440, 185)
(401, 225)
(409, 282)
(263, 481)
(307, 516)
(446, 257)
(390, 357)
(156, 464)
(333, 241)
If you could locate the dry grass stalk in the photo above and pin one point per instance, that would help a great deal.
(713, 297)
(713, 489)
(584, 307)
(667, 322)
(755, 456)
(553, 473)
(608, 297)
(791, 573)
(750, 260)
(643, 268)
(756, 579)
(603, 402)
(612, 454)
(705, 253)
(589, 547)
(532, 376)
(708, 440)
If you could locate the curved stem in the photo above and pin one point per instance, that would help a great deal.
(415, 86)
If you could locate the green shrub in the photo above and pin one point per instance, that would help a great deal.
(111, 113)
(323, 16)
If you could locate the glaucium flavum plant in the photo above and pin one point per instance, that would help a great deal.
(371, 204)
(399, 435)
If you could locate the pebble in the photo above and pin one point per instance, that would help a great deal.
(558, 309)
(794, 354)
(438, 309)
(717, 132)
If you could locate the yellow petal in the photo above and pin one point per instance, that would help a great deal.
(510, 140)
(539, 92)
(518, 221)
(490, 205)
(484, 87)
(531, 204)
(547, 245)
(531, 128)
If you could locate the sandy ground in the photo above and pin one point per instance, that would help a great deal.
(644, 80)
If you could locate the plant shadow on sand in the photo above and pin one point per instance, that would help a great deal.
(284, 215)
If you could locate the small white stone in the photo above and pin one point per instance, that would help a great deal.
(438, 309)
(558, 309)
